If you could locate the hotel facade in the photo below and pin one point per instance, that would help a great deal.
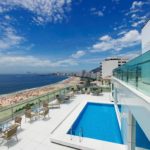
(131, 93)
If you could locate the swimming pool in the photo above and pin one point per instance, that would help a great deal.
(97, 121)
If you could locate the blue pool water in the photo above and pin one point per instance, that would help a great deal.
(141, 139)
(98, 121)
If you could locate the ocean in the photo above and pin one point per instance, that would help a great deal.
(14, 83)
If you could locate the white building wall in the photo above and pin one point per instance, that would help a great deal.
(108, 67)
(146, 48)
(146, 37)
(134, 102)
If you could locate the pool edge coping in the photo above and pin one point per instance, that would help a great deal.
(60, 136)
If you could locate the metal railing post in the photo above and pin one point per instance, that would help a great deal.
(12, 115)
(54, 95)
(71, 133)
(39, 102)
(136, 80)
(127, 75)
(48, 97)
(80, 134)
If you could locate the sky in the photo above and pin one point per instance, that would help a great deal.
(43, 36)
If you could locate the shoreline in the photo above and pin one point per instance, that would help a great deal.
(34, 88)
(15, 97)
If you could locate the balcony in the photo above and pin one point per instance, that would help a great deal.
(136, 73)
(131, 90)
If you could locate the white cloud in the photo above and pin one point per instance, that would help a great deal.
(122, 33)
(105, 38)
(131, 36)
(130, 55)
(128, 39)
(91, 60)
(39, 20)
(102, 46)
(9, 38)
(136, 5)
(32, 62)
(119, 27)
(135, 24)
(136, 13)
(65, 63)
(7, 17)
(96, 12)
(45, 10)
(78, 54)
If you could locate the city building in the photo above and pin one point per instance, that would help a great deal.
(109, 64)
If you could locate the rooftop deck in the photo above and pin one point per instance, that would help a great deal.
(35, 135)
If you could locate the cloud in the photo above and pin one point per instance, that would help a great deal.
(96, 60)
(7, 17)
(65, 63)
(136, 6)
(135, 24)
(23, 64)
(9, 38)
(44, 10)
(96, 12)
(15, 61)
(128, 39)
(138, 15)
(122, 33)
(119, 27)
(130, 55)
(78, 54)
(105, 38)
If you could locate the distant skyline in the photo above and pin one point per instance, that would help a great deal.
(68, 35)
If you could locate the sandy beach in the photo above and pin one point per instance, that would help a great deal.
(8, 99)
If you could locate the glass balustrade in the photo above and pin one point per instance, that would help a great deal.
(136, 73)
(9, 112)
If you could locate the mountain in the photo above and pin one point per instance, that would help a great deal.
(96, 70)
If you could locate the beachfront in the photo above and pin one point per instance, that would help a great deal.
(6, 100)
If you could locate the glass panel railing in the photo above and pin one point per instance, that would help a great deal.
(9, 112)
(136, 73)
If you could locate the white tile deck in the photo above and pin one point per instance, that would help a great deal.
(36, 135)
(60, 136)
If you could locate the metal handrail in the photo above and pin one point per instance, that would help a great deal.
(80, 134)
(71, 134)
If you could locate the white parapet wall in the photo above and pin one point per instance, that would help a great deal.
(146, 37)
(134, 102)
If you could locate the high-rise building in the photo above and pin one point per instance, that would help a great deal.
(109, 64)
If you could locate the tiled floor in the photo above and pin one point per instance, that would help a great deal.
(85, 143)
(35, 135)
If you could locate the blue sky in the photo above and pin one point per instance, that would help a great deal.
(68, 35)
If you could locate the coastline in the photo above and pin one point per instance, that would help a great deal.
(15, 97)
(29, 89)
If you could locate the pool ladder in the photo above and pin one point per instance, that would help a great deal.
(80, 134)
